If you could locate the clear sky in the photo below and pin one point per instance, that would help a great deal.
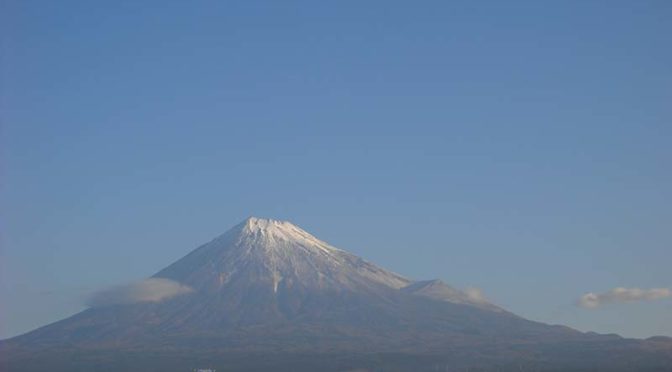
(522, 147)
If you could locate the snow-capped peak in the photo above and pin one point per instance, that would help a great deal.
(280, 255)
(269, 231)
(255, 225)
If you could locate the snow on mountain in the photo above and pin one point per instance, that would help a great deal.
(279, 255)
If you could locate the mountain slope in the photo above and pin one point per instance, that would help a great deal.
(279, 255)
(438, 290)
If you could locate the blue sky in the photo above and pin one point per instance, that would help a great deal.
(521, 147)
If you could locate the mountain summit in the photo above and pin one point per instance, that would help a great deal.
(268, 288)
(279, 258)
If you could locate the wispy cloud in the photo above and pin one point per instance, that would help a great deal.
(475, 294)
(148, 290)
(592, 300)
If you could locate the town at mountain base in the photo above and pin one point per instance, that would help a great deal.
(267, 295)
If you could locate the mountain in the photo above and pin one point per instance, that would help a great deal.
(438, 290)
(267, 295)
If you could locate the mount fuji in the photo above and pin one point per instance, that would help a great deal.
(267, 295)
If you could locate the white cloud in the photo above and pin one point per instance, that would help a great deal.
(592, 300)
(148, 290)
(475, 295)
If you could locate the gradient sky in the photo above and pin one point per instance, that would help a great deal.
(522, 147)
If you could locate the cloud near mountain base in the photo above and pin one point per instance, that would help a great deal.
(475, 295)
(618, 295)
(148, 290)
